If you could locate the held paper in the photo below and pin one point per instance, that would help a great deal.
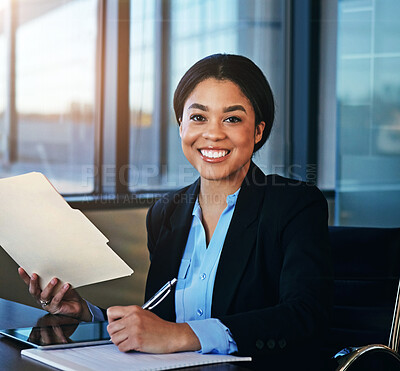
(44, 235)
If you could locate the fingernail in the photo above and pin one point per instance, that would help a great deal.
(65, 286)
(53, 281)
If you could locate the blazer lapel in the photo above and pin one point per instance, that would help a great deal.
(173, 237)
(239, 241)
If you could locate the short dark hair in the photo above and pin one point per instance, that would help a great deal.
(241, 71)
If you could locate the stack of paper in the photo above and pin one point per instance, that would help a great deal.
(44, 235)
(108, 357)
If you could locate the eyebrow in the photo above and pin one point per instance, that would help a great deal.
(202, 107)
(199, 106)
(237, 107)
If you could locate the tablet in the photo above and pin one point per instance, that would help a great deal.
(65, 335)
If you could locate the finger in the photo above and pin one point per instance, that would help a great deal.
(126, 345)
(34, 288)
(119, 337)
(115, 313)
(47, 292)
(60, 295)
(115, 326)
(25, 277)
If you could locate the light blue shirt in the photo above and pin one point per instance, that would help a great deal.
(194, 289)
(96, 312)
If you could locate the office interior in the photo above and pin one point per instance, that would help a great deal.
(86, 92)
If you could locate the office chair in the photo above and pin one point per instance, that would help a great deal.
(366, 310)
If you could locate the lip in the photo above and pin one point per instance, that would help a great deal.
(214, 160)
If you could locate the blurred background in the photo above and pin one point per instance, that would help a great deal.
(86, 92)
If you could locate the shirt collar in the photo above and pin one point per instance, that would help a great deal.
(231, 199)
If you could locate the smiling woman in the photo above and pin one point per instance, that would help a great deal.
(251, 253)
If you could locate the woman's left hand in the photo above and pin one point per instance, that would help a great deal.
(134, 328)
(64, 300)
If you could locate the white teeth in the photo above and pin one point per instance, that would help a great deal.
(213, 153)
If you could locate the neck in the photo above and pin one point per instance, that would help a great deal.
(216, 191)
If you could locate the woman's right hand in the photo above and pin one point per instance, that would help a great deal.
(65, 301)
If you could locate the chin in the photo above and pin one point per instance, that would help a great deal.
(221, 171)
(212, 174)
(218, 175)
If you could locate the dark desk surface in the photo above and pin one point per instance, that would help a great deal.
(13, 315)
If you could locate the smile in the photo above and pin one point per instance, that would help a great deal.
(214, 153)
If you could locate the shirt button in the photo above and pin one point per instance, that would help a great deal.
(203, 276)
(199, 312)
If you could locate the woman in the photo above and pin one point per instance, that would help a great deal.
(250, 251)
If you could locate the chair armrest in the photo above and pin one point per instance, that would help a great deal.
(346, 361)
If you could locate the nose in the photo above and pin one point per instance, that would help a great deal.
(214, 131)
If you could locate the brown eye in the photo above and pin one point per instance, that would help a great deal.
(233, 120)
(197, 118)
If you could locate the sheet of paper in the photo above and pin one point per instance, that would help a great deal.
(43, 234)
(108, 357)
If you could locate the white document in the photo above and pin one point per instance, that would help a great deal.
(44, 235)
(108, 357)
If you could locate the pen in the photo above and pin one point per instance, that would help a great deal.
(160, 295)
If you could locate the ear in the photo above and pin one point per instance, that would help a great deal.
(259, 132)
(180, 127)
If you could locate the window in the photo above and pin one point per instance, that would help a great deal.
(86, 107)
(51, 126)
(368, 113)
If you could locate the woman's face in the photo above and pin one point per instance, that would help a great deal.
(218, 130)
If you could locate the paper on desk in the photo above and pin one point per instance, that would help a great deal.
(108, 357)
(44, 235)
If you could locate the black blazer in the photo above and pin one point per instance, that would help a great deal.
(273, 284)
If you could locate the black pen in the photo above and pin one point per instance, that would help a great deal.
(160, 295)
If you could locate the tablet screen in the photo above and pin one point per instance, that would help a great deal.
(59, 334)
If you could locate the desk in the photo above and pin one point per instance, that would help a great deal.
(14, 315)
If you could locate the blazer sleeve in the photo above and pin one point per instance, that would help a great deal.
(304, 278)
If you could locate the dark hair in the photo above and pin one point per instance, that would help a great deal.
(240, 70)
